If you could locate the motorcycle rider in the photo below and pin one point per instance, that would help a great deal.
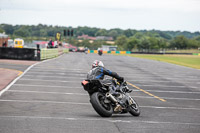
(98, 71)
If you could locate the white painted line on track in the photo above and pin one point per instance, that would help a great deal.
(1, 92)
(180, 79)
(37, 101)
(66, 74)
(150, 77)
(45, 92)
(177, 92)
(56, 70)
(44, 80)
(55, 77)
(178, 108)
(15, 80)
(189, 99)
(53, 68)
(79, 103)
(45, 86)
(97, 119)
(182, 92)
(161, 86)
(171, 98)
(76, 81)
(162, 81)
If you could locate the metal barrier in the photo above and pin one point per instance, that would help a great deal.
(18, 53)
(30, 53)
(110, 52)
(52, 53)
(48, 53)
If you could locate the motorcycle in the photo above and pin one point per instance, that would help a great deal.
(105, 101)
(100, 52)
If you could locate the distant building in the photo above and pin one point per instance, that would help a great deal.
(107, 38)
(70, 47)
(87, 37)
(3, 38)
(109, 48)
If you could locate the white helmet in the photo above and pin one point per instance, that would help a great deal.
(97, 63)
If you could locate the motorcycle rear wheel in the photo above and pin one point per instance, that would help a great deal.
(102, 108)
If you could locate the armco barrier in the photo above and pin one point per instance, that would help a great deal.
(30, 53)
(18, 53)
(110, 52)
(52, 53)
(49, 53)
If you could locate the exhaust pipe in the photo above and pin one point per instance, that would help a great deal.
(111, 97)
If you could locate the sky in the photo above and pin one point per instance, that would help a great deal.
(173, 15)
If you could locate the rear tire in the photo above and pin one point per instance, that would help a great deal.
(103, 109)
(134, 109)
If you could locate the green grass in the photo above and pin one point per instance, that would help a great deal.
(183, 51)
(192, 61)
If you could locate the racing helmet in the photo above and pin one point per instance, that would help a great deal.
(97, 63)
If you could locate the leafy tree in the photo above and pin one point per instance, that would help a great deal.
(132, 43)
(139, 35)
(192, 43)
(1, 30)
(164, 35)
(144, 44)
(113, 33)
(9, 29)
(121, 42)
(129, 33)
(23, 32)
(101, 32)
(154, 43)
(179, 42)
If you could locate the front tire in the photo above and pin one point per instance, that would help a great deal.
(102, 108)
(134, 108)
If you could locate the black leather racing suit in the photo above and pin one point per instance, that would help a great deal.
(99, 72)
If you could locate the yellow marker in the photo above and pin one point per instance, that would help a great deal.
(105, 52)
(19, 72)
(113, 52)
(122, 52)
(147, 92)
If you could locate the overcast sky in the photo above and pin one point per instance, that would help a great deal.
(183, 15)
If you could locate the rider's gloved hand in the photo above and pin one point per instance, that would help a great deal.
(121, 79)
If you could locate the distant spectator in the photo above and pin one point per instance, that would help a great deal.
(60, 44)
(50, 43)
(4, 44)
(55, 44)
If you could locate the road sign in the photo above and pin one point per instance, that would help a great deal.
(58, 36)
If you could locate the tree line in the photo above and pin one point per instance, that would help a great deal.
(128, 39)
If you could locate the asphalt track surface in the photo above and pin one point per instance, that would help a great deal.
(49, 98)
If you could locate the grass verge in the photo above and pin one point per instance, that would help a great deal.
(192, 61)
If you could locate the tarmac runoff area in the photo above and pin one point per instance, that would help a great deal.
(11, 69)
(49, 98)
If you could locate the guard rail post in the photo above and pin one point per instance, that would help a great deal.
(38, 52)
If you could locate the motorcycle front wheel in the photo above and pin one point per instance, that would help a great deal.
(102, 108)
(134, 108)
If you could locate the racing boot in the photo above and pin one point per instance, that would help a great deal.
(118, 108)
